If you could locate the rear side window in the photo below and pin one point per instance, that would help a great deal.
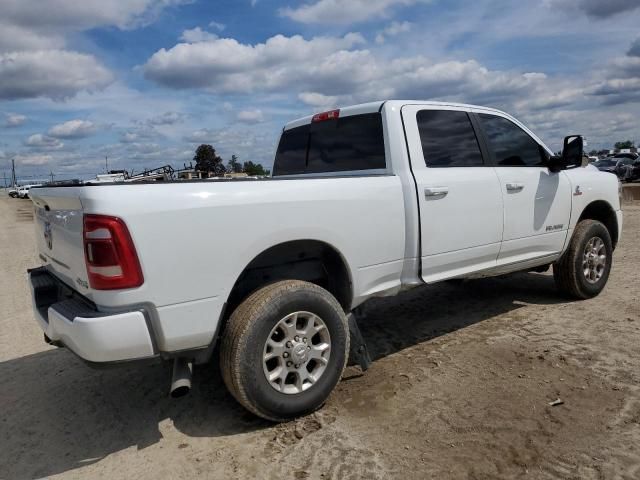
(511, 145)
(448, 139)
(346, 144)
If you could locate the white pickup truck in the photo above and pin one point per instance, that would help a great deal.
(364, 201)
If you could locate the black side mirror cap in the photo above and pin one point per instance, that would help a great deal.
(573, 151)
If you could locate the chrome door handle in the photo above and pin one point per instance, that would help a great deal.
(435, 193)
(515, 187)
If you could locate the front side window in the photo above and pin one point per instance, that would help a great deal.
(511, 145)
(448, 139)
(350, 143)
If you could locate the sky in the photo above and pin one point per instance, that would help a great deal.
(144, 82)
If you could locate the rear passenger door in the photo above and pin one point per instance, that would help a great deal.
(458, 193)
(537, 202)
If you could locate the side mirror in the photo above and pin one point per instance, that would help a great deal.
(555, 164)
(573, 151)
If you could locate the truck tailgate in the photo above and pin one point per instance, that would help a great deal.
(58, 225)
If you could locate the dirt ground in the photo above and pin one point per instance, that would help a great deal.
(460, 388)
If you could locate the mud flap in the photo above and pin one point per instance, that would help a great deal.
(358, 354)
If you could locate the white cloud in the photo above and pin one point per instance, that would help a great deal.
(250, 116)
(217, 25)
(44, 142)
(36, 160)
(202, 135)
(225, 65)
(73, 129)
(316, 99)
(25, 26)
(51, 73)
(196, 35)
(394, 29)
(342, 11)
(167, 118)
(329, 68)
(620, 82)
(137, 134)
(14, 120)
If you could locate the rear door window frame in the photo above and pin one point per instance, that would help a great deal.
(484, 152)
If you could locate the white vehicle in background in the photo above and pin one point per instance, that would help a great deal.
(365, 201)
(23, 192)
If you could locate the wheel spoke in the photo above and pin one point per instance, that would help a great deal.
(275, 349)
(278, 373)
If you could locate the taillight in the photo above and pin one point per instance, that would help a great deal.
(111, 258)
(324, 116)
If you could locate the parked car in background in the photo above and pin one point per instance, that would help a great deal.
(13, 192)
(631, 155)
(635, 171)
(365, 201)
(607, 164)
(23, 192)
(623, 167)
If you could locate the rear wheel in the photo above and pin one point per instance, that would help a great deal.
(583, 270)
(284, 349)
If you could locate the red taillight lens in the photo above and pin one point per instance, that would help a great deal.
(324, 116)
(111, 258)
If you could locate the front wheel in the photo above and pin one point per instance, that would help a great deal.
(284, 349)
(583, 270)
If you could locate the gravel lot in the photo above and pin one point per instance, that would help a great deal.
(460, 388)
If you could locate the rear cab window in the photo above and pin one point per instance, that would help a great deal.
(352, 143)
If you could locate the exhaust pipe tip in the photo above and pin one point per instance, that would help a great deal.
(181, 377)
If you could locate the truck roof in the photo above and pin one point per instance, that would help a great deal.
(371, 107)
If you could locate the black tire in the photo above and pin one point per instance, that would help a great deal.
(245, 336)
(568, 271)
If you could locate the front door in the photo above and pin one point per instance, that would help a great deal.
(537, 202)
(458, 193)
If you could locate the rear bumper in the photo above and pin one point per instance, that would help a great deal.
(99, 337)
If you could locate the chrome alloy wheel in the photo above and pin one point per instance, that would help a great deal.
(296, 352)
(594, 260)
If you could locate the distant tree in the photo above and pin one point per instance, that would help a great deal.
(208, 161)
(625, 144)
(234, 166)
(254, 169)
(593, 153)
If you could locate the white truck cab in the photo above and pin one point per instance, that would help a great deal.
(23, 191)
(364, 201)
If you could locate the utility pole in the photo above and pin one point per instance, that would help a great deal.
(106, 164)
(52, 175)
(4, 175)
(13, 173)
